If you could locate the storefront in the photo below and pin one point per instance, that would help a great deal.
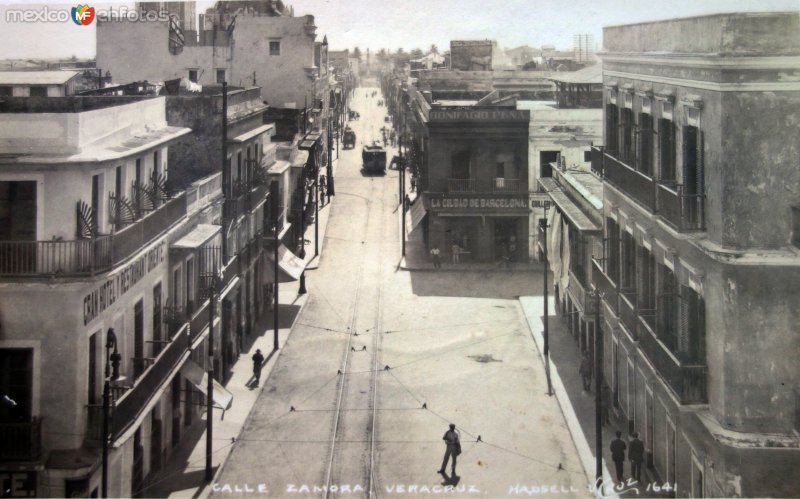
(479, 227)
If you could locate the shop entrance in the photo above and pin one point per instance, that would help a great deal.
(506, 240)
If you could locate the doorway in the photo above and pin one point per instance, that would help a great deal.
(506, 242)
(545, 158)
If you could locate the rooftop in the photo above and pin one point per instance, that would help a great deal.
(587, 75)
(36, 77)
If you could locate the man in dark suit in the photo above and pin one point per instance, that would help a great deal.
(636, 455)
(453, 449)
(618, 454)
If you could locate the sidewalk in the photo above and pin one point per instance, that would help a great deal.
(577, 405)
(184, 473)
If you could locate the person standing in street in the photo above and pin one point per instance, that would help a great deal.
(437, 263)
(636, 455)
(456, 253)
(585, 371)
(258, 362)
(453, 449)
(618, 455)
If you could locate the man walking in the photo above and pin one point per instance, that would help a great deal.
(258, 361)
(437, 263)
(618, 454)
(636, 455)
(453, 449)
(585, 371)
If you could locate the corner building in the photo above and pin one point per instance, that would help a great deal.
(700, 265)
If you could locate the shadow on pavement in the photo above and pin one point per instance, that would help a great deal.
(476, 284)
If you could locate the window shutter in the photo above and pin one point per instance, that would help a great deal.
(699, 170)
(684, 321)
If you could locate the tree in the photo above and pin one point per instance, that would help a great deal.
(417, 54)
(357, 53)
(434, 49)
(400, 51)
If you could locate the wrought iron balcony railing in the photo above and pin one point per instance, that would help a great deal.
(683, 211)
(506, 185)
(22, 441)
(633, 183)
(461, 185)
(689, 382)
(604, 284)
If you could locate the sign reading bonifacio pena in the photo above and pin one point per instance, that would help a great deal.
(488, 115)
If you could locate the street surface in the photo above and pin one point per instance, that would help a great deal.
(454, 342)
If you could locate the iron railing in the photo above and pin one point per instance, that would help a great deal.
(688, 381)
(21, 441)
(133, 401)
(633, 183)
(628, 313)
(461, 185)
(604, 284)
(682, 211)
(597, 161)
(506, 185)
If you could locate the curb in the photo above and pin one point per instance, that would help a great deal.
(205, 490)
(573, 425)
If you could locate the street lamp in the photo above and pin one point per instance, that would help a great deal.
(111, 374)
(543, 242)
(211, 290)
(598, 387)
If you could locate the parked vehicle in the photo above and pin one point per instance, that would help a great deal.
(349, 138)
(353, 115)
(374, 158)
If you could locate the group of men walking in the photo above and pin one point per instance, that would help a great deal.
(635, 456)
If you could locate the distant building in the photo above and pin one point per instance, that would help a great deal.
(185, 12)
(520, 56)
(38, 83)
(472, 55)
(339, 60)
(583, 47)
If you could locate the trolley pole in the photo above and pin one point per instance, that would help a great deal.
(210, 387)
(546, 307)
(598, 391)
(273, 192)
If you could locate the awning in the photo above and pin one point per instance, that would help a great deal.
(199, 378)
(290, 267)
(309, 141)
(197, 237)
(417, 212)
(573, 212)
(251, 133)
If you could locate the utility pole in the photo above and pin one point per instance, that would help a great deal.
(316, 212)
(598, 391)
(210, 380)
(275, 204)
(402, 196)
(226, 174)
(546, 311)
(330, 163)
(302, 290)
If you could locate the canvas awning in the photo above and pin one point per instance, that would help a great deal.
(290, 267)
(417, 212)
(199, 378)
(573, 212)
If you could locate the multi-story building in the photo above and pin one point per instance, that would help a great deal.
(473, 55)
(243, 43)
(700, 266)
(103, 270)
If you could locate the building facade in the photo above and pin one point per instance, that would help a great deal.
(37, 83)
(699, 271)
(122, 275)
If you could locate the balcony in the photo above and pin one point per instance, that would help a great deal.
(580, 293)
(628, 313)
(21, 441)
(635, 184)
(501, 185)
(685, 212)
(604, 284)
(461, 185)
(86, 257)
(687, 381)
(134, 400)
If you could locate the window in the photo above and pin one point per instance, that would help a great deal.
(190, 285)
(156, 164)
(460, 167)
(138, 339)
(628, 257)
(587, 156)
(666, 149)
(612, 122)
(96, 180)
(157, 320)
(94, 383)
(612, 239)
(693, 175)
(18, 211)
(221, 76)
(545, 160)
(193, 75)
(626, 136)
(16, 382)
(274, 47)
(646, 285)
(38, 92)
(6, 91)
(796, 226)
(644, 145)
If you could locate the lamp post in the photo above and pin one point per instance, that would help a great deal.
(302, 254)
(598, 387)
(273, 193)
(210, 387)
(112, 359)
(402, 196)
(316, 212)
(330, 164)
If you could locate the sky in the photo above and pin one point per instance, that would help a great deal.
(408, 23)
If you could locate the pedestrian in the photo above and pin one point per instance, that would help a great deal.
(618, 454)
(258, 362)
(453, 449)
(437, 263)
(406, 203)
(413, 184)
(586, 371)
(636, 455)
(456, 253)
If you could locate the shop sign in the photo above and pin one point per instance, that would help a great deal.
(479, 115)
(445, 203)
(112, 289)
(541, 201)
(18, 483)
